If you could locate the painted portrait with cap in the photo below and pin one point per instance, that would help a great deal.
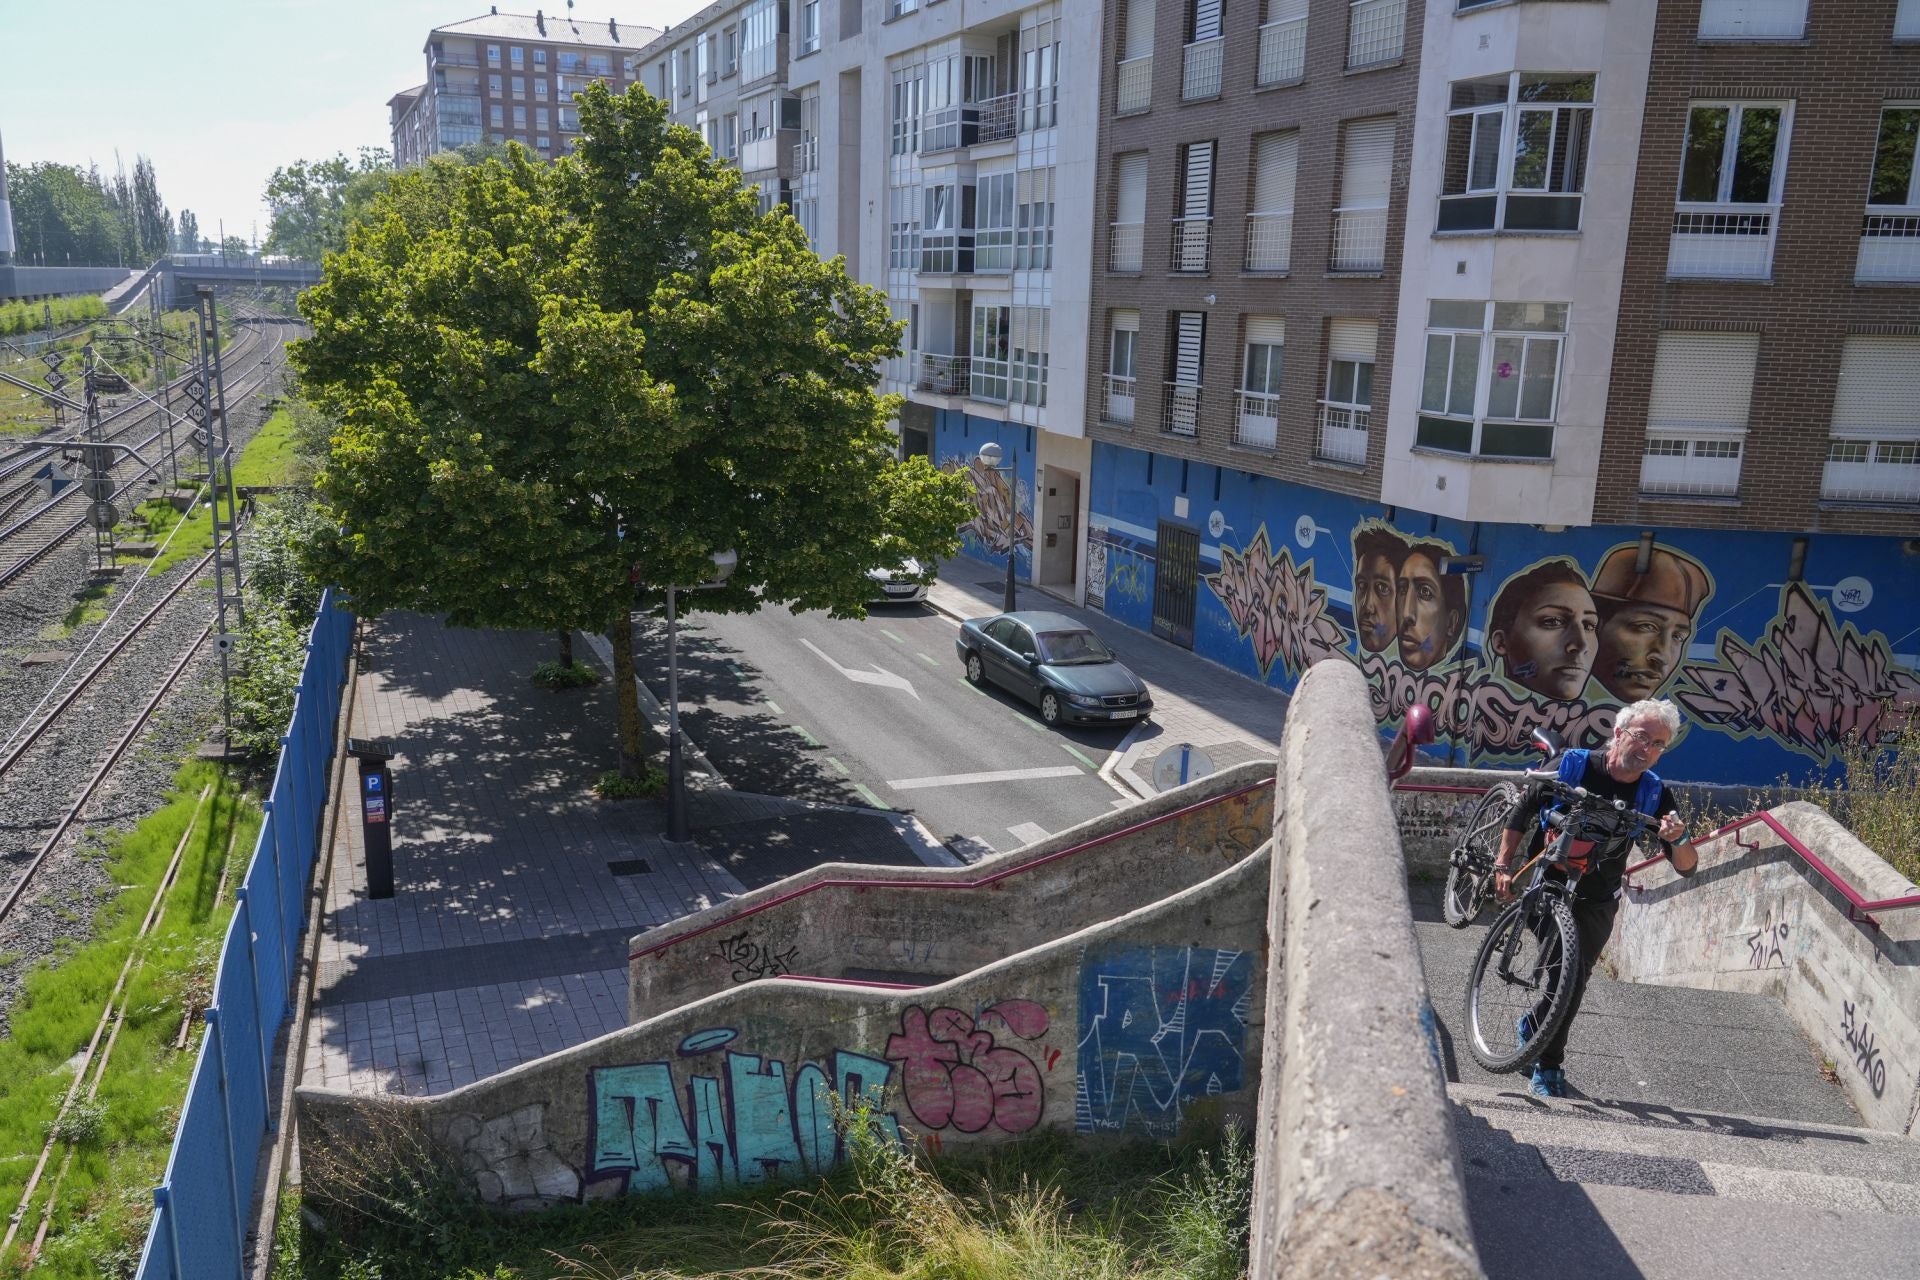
(1648, 611)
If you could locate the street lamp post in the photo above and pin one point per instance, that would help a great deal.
(990, 455)
(678, 829)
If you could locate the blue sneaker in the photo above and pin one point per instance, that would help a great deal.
(1524, 1028)
(1548, 1082)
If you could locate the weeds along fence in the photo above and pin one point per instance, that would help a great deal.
(205, 1201)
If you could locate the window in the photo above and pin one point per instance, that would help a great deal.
(1186, 360)
(946, 232)
(1276, 162)
(1906, 20)
(497, 116)
(1122, 385)
(1491, 383)
(1129, 212)
(539, 117)
(730, 52)
(809, 25)
(1257, 421)
(1753, 19)
(1890, 234)
(520, 86)
(1033, 220)
(540, 57)
(494, 84)
(569, 120)
(493, 55)
(517, 56)
(907, 105)
(519, 117)
(903, 228)
(988, 370)
(1731, 170)
(1517, 154)
(730, 136)
(1283, 42)
(1875, 452)
(684, 78)
(900, 8)
(806, 211)
(1205, 53)
(1360, 223)
(546, 143)
(993, 242)
(540, 88)
(1039, 76)
(1028, 368)
(1134, 88)
(1697, 412)
(1193, 223)
(1376, 32)
(1347, 410)
(760, 40)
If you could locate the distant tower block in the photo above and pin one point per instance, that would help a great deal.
(6, 213)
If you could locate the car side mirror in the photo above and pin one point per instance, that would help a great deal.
(1033, 661)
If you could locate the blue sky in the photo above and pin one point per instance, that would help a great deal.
(222, 92)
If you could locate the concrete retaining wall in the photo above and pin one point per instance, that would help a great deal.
(57, 282)
(1358, 1170)
(920, 925)
(1755, 917)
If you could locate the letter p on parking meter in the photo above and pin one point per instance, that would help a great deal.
(376, 811)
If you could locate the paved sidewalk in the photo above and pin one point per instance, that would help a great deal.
(1233, 719)
(516, 890)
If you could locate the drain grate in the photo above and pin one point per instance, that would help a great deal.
(630, 867)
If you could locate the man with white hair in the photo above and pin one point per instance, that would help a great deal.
(1622, 770)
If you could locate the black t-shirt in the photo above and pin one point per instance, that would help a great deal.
(1603, 880)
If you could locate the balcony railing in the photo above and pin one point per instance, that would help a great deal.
(1376, 32)
(1343, 433)
(1118, 405)
(1892, 474)
(1134, 92)
(1723, 241)
(1691, 474)
(1753, 19)
(1124, 246)
(1269, 241)
(1359, 239)
(456, 60)
(942, 375)
(999, 118)
(1200, 68)
(1192, 245)
(1257, 420)
(1283, 52)
(988, 380)
(806, 156)
(1180, 409)
(1889, 248)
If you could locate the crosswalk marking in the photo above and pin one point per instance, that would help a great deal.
(974, 779)
(1028, 833)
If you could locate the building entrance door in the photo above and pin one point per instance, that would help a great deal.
(1176, 580)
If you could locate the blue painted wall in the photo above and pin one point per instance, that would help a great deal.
(1771, 675)
(957, 438)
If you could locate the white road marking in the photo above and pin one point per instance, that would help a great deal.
(1028, 833)
(885, 679)
(971, 779)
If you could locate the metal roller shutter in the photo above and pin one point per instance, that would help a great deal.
(1703, 382)
(1879, 391)
(1139, 29)
(1126, 321)
(1368, 167)
(1353, 340)
(1269, 330)
(1276, 162)
(1130, 204)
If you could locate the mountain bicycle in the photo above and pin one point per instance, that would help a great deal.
(1527, 961)
(1470, 863)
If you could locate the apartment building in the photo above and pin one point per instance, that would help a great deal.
(510, 77)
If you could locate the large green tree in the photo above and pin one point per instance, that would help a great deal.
(311, 202)
(561, 387)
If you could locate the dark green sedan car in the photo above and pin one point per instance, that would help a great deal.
(1056, 664)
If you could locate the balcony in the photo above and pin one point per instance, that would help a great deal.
(949, 127)
(1180, 409)
(1269, 241)
(1283, 52)
(1192, 245)
(455, 59)
(1124, 246)
(942, 375)
(1722, 241)
(806, 156)
(1134, 92)
(1889, 249)
(1117, 406)
(987, 380)
(1376, 33)
(946, 253)
(1872, 471)
(1359, 239)
(1256, 421)
(1343, 433)
(761, 151)
(1200, 68)
(998, 118)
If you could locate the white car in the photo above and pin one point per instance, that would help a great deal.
(904, 584)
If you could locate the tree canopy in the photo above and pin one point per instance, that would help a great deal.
(557, 384)
(311, 202)
(64, 215)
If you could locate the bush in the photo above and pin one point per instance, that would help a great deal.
(615, 786)
(559, 675)
(271, 651)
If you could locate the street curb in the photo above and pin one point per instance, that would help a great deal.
(1118, 774)
(706, 777)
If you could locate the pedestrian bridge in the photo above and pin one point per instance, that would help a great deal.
(186, 271)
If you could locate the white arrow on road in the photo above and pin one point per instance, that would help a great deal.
(885, 679)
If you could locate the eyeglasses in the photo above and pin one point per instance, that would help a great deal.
(1644, 738)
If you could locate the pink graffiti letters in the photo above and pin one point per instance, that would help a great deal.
(954, 1073)
(1472, 706)
(1277, 606)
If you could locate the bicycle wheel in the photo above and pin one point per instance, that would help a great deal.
(1479, 842)
(1525, 967)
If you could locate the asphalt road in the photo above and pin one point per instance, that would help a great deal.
(877, 713)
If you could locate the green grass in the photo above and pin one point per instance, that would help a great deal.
(105, 1202)
(89, 606)
(269, 458)
(25, 317)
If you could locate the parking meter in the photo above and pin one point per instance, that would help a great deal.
(376, 811)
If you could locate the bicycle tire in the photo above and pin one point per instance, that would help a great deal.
(1495, 1003)
(1467, 889)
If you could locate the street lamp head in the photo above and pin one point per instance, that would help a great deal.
(990, 454)
(724, 563)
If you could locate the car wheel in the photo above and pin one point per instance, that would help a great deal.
(976, 674)
(1050, 707)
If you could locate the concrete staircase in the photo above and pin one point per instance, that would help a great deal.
(1662, 1166)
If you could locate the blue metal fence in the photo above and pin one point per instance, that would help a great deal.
(203, 1206)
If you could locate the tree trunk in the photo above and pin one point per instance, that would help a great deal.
(566, 646)
(636, 745)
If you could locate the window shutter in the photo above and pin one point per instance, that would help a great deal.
(1276, 161)
(1703, 382)
(1131, 203)
(1139, 29)
(1879, 391)
(1189, 345)
(1284, 10)
(1126, 322)
(1369, 165)
(1206, 19)
(1267, 330)
(1353, 340)
(1197, 199)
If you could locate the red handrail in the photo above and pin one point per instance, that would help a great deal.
(982, 883)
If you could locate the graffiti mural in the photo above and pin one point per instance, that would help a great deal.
(955, 1073)
(1276, 606)
(1866, 1048)
(1002, 506)
(511, 1159)
(1096, 565)
(1159, 1028)
(737, 1119)
(751, 959)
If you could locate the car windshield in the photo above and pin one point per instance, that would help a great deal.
(1061, 648)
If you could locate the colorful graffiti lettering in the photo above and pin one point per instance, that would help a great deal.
(1000, 515)
(1808, 685)
(1159, 1028)
(954, 1073)
(1473, 707)
(752, 960)
(1276, 606)
(1126, 577)
(746, 1123)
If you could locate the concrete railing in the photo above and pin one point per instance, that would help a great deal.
(1358, 1171)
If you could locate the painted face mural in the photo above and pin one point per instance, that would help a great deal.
(1432, 608)
(1646, 618)
(1544, 629)
(1377, 554)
